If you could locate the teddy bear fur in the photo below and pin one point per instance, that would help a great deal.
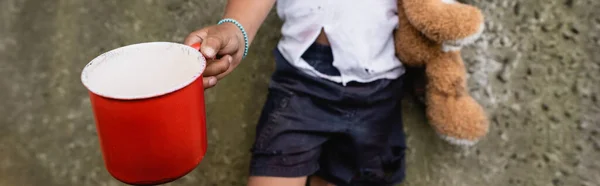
(430, 35)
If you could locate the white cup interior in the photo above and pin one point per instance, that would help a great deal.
(143, 70)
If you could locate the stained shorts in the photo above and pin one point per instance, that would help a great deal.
(347, 135)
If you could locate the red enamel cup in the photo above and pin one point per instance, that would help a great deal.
(148, 104)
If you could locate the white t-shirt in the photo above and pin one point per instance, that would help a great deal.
(360, 33)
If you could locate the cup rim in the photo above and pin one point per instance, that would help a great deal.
(102, 58)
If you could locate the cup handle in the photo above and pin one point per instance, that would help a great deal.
(196, 46)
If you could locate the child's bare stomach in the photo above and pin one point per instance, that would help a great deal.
(322, 39)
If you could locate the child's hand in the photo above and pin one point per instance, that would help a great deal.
(223, 46)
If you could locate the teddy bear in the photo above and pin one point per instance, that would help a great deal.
(430, 36)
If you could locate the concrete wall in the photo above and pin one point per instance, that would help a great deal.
(535, 69)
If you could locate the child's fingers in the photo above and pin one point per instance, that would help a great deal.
(217, 70)
(209, 82)
(212, 44)
(196, 37)
(216, 40)
(216, 67)
(229, 69)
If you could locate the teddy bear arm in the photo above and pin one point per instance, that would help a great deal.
(446, 74)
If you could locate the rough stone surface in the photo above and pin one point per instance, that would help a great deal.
(536, 69)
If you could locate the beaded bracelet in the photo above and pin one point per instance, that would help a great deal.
(236, 23)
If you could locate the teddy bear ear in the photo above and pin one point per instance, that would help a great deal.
(447, 22)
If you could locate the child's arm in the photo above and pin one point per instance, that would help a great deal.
(226, 39)
(250, 13)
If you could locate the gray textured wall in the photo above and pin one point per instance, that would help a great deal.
(535, 69)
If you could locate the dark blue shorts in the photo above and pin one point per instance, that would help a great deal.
(348, 135)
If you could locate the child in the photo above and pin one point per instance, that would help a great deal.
(333, 107)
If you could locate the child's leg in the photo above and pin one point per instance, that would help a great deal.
(318, 181)
(276, 181)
